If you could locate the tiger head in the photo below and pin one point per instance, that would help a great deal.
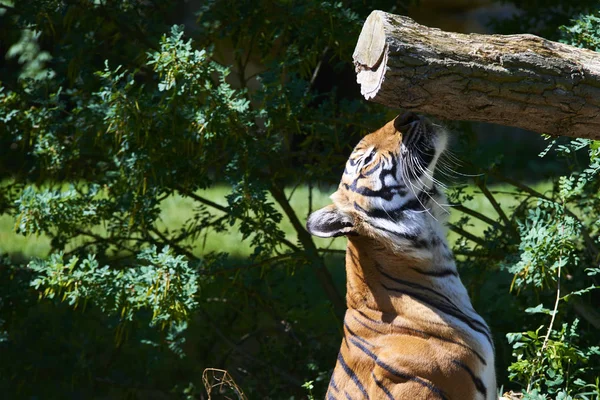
(388, 191)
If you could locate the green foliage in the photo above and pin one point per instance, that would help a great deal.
(556, 362)
(544, 17)
(27, 51)
(109, 109)
(545, 246)
(548, 242)
(166, 285)
(585, 32)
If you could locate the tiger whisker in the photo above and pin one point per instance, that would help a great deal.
(426, 172)
(429, 175)
(431, 197)
(412, 187)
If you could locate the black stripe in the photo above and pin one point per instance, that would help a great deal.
(428, 289)
(352, 375)
(367, 326)
(332, 384)
(415, 240)
(419, 332)
(424, 197)
(356, 336)
(410, 135)
(395, 213)
(347, 395)
(438, 274)
(392, 171)
(476, 381)
(395, 216)
(373, 169)
(402, 375)
(414, 205)
(369, 318)
(452, 311)
(386, 192)
(380, 384)
(330, 396)
(417, 286)
(352, 162)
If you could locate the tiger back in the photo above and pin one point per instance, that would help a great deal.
(410, 331)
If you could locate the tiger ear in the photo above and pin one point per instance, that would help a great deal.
(329, 221)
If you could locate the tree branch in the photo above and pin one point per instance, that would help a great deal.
(467, 235)
(590, 243)
(268, 261)
(476, 214)
(219, 207)
(587, 312)
(289, 377)
(172, 244)
(304, 237)
(515, 80)
(486, 192)
(117, 241)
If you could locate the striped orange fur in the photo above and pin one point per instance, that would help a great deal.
(410, 331)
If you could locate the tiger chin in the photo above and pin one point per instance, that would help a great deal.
(410, 331)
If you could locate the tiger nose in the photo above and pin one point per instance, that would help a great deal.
(401, 123)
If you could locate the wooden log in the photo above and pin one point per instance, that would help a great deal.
(515, 80)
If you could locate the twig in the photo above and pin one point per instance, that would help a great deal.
(304, 237)
(585, 311)
(493, 256)
(590, 243)
(317, 69)
(555, 310)
(209, 375)
(289, 377)
(476, 214)
(115, 241)
(289, 198)
(335, 251)
(310, 199)
(172, 244)
(467, 235)
(198, 229)
(481, 185)
(219, 207)
(278, 258)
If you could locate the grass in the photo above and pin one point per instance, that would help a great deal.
(19, 246)
(177, 210)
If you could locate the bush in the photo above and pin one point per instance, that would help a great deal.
(109, 108)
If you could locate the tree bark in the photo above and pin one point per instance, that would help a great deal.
(515, 80)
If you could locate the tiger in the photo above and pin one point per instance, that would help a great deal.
(410, 330)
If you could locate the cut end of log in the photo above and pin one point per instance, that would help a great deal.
(370, 55)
